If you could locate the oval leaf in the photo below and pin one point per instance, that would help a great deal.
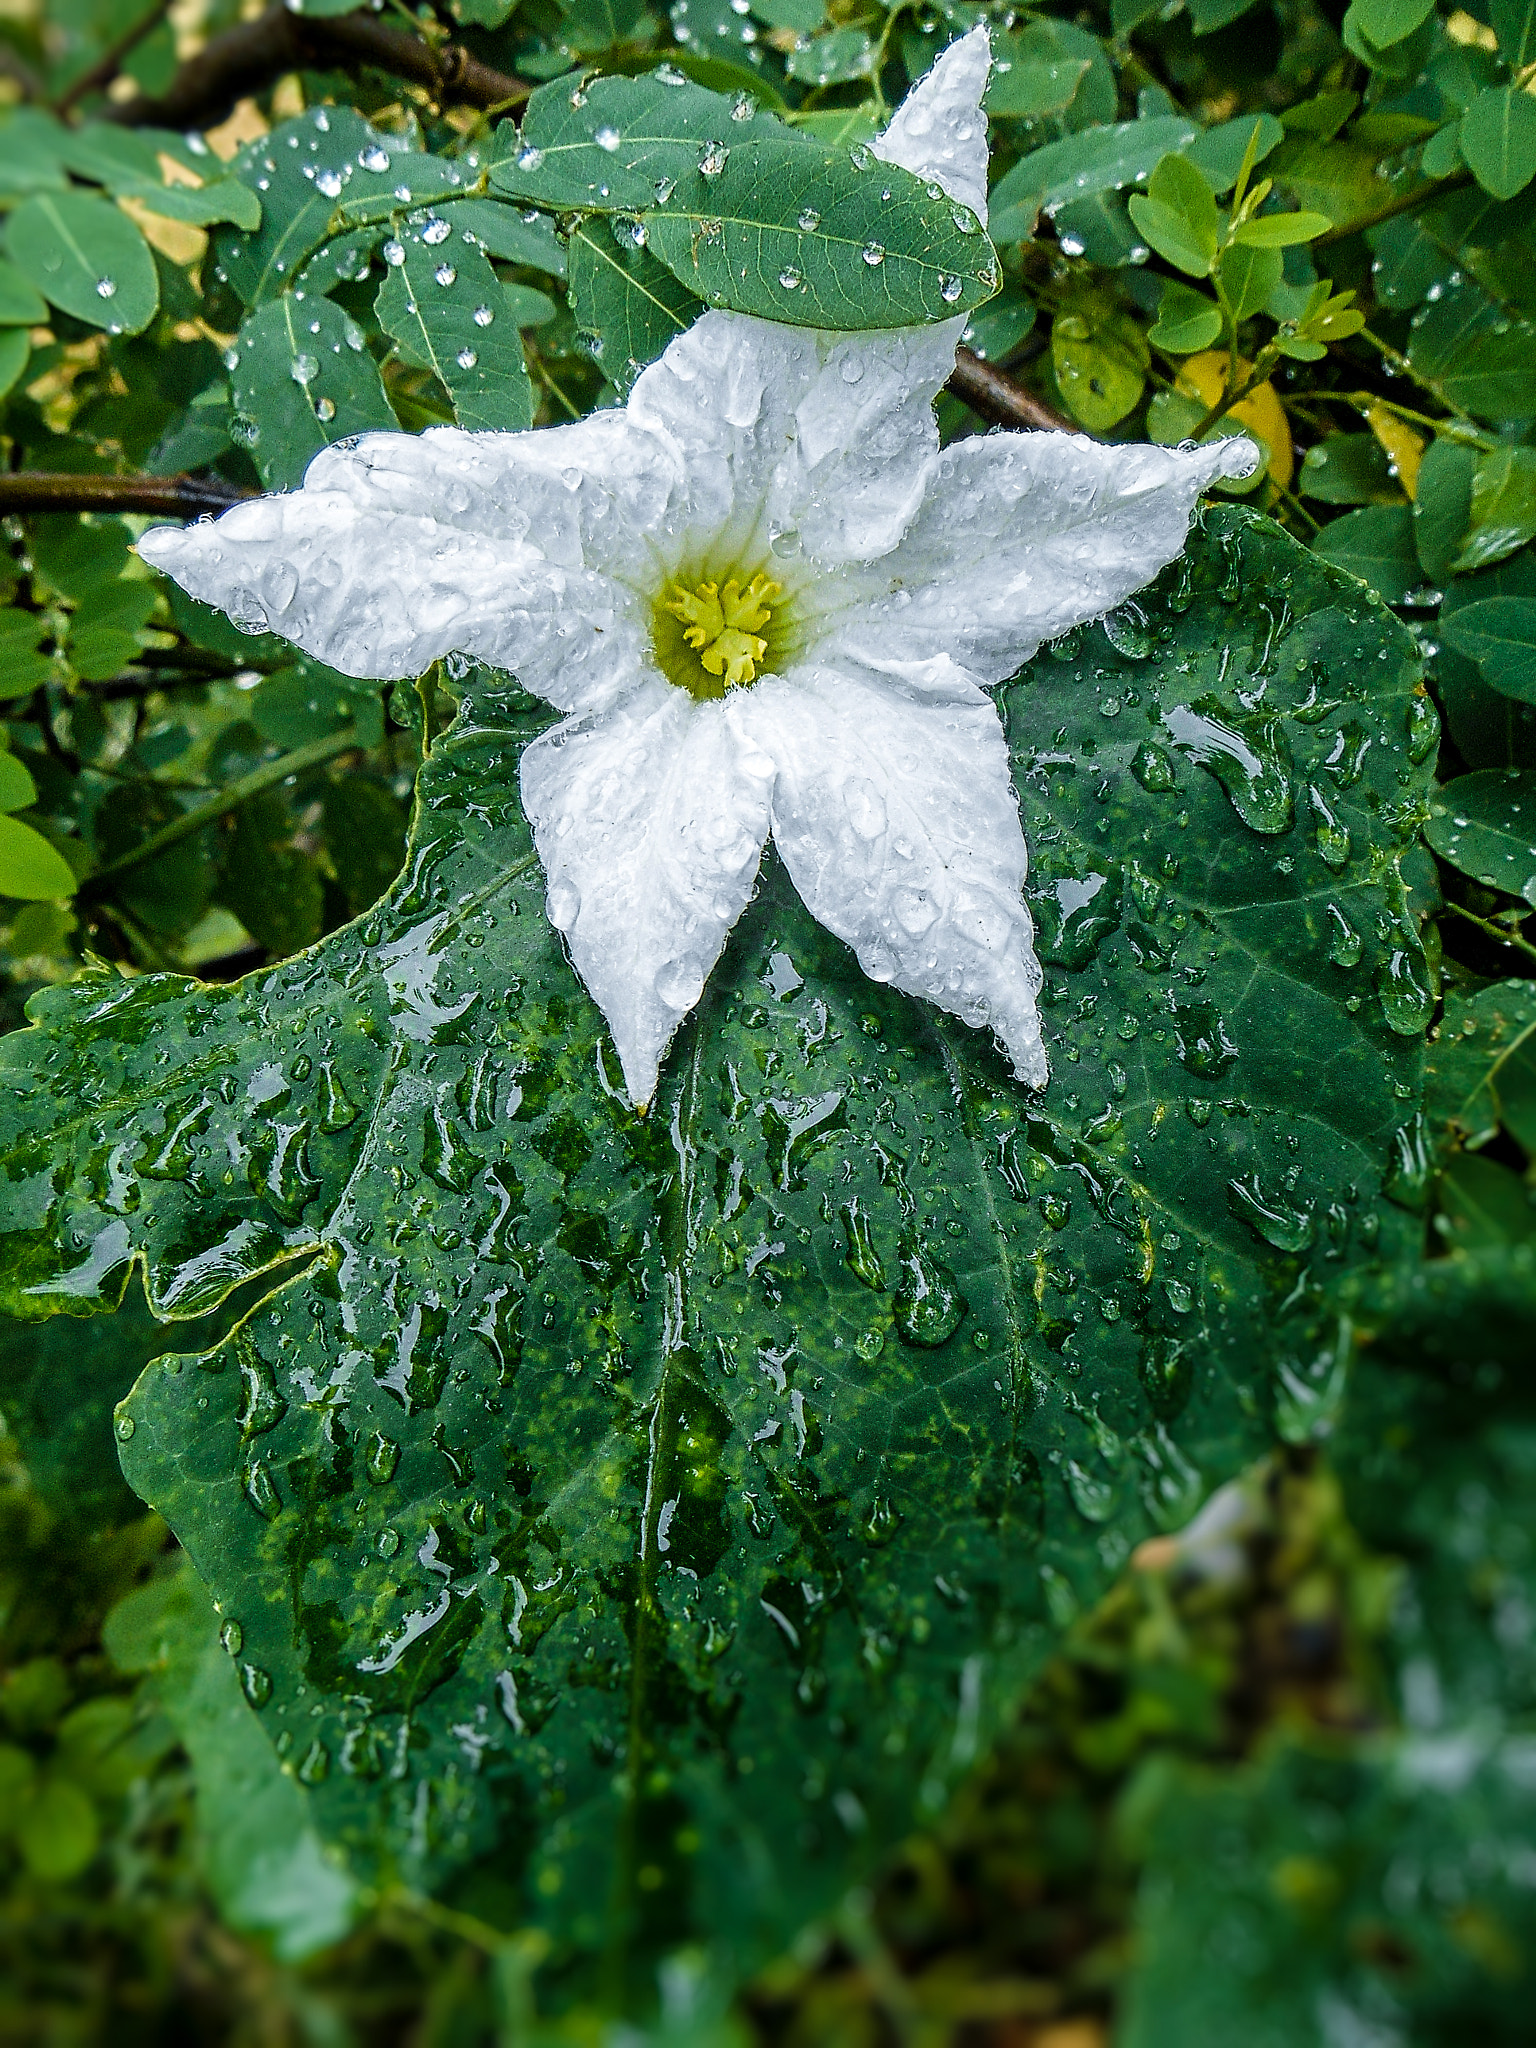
(86, 256)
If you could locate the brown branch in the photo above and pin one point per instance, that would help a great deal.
(246, 59)
(1001, 399)
(177, 497)
(107, 66)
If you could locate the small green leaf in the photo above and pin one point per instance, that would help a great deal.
(1247, 277)
(1187, 321)
(445, 307)
(302, 378)
(1485, 825)
(1220, 151)
(1348, 469)
(1514, 23)
(836, 58)
(1503, 508)
(1024, 91)
(20, 305)
(17, 789)
(503, 233)
(56, 1829)
(15, 354)
(1375, 544)
(1098, 160)
(22, 668)
(1386, 22)
(1442, 504)
(1099, 368)
(226, 199)
(627, 305)
(1281, 230)
(85, 255)
(1178, 216)
(30, 869)
(1498, 140)
(1499, 634)
(1468, 346)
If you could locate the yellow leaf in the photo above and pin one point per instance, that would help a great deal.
(1205, 377)
(1404, 448)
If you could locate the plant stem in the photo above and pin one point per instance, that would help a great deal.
(176, 497)
(244, 60)
(228, 799)
(1495, 931)
(110, 63)
(1264, 363)
(1001, 398)
(1405, 202)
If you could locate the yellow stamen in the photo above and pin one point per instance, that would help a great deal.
(723, 626)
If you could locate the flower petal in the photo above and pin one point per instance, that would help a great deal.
(1020, 537)
(650, 822)
(898, 823)
(939, 130)
(400, 548)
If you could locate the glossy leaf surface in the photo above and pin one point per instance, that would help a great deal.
(596, 1476)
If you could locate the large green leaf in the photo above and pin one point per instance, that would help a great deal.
(86, 256)
(672, 1503)
(747, 212)
(301, 377)
(447, 310)
(317, 175)
(1099, 160)
(628, 306)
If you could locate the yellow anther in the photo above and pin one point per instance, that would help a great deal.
(723, 626)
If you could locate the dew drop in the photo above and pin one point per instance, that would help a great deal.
(810, 220)
(374, 159)
(873, 254)
(106, 287)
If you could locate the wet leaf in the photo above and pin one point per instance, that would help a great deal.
(566, 1423)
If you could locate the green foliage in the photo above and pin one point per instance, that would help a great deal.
(553, 1465)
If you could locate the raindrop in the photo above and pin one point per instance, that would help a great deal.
(445, 274)
(950, 287)
(1344, 942)
(1152, 767)
(483, 316)
(529, 158)
(1248, 757)
(608, 138)
(256, 1684)
(382, 1458)
(1287, 1229)
(713, 161)
(562, 904)
(304, 369)
(325, 410)
(680, 983)
(436, 230)
(664, 188)
(809, 221)
(125, 1428)
(863, 1259)
(929, 1306)
(393, 253)
(106, 287)
(866, 807)
(1403, 984)
(374, 159)
(790, 278)
(1333, 844)
(466, 359)
(1423, 729)
(232, 1636)
(329, 183)
(873, 254)
(1095, 1499)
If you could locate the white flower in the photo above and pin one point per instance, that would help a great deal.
(767, 601)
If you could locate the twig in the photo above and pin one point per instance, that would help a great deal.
(230, 798)
(1494, 931)
(179, 497)
(1405, 202)
(1001, 399)
(246, 59)
(110, 63)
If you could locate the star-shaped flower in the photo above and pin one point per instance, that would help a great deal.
(766, 601)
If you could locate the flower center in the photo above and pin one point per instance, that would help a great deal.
(711, 636)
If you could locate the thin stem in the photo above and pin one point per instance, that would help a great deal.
(1405, 202)
(228, 799)
(175, 497)
(1495, 931)
(110, 63)
(1263, 364)
(997, 397)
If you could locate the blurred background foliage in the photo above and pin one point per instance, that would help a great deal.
(1280, 1788)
